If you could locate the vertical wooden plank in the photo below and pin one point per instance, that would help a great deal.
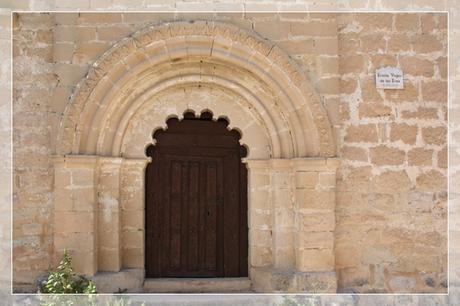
(149, 225)
(202, 217)
(183, 212)
(164, 186)
(243, 221)
(220, 220)
(193, 216)
(231, 207)
(176, 197)
(211, 220)
(152, 224)
(154, 201)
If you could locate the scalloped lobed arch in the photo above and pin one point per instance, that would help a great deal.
(135, 72)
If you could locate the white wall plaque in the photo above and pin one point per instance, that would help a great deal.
(389, 78)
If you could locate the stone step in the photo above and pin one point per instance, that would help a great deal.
(198, 285)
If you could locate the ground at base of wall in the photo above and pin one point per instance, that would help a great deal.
(267, 280)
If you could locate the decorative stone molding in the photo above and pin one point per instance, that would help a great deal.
(291, 110)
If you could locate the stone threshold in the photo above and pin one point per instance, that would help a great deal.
(197, 285)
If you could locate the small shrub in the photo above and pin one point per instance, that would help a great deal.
(64, 280)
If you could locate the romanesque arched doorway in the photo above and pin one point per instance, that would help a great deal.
(196, 201)
(162, 71)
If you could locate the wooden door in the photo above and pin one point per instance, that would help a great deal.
(196, 201)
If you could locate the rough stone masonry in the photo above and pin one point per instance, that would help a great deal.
(372, 217)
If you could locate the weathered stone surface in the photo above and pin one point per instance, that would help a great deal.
(110, 282)
(361, 133)
(434, 135)
(392, 181)
(315, 260)
(415, 66)
(402, 283)
(315, 282)
(348, 86)
(435, 91)
(383, 155)
(354, 153)
(421, 113)
(420, 157)
(421, 202)
(369, 92)
(374, 110)
(408, 94)
(427, 43)
(407, 22)
(442, 158)
(432, 181)
(351, 64)
(373, 21)
(399, 43)
(405, 132)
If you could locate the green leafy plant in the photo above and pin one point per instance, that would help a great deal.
(65, 280)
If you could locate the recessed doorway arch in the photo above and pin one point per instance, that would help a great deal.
(196, 200)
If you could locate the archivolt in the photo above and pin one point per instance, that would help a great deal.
(158, 57)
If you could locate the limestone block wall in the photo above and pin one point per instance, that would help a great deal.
(389, 229)
(34, 82)
(76, 211)
(391, 189)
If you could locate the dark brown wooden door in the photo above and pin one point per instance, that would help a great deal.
(196, 201)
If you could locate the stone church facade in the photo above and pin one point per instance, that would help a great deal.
(346, 187)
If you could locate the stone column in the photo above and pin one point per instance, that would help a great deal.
(132, 193)
(282, 213)
(109, 223)
(75, 211)
(259, 214)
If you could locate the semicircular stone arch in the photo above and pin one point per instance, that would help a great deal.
(216, 52)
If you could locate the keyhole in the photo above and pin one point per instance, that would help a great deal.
(209, 212)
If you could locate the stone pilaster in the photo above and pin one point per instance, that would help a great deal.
(109, 216)
(260, 214)
(283, 213)
(132, 194)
